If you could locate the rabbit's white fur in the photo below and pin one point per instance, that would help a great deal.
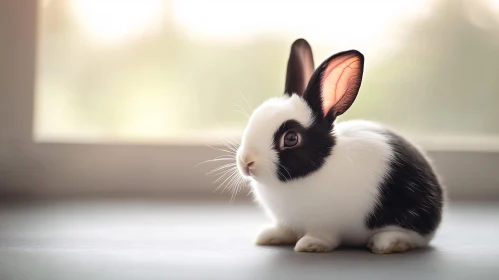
(330, 206)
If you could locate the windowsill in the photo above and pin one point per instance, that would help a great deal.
(459, 143)
(52, 169)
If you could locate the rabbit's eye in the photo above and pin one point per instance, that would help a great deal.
(290, 139)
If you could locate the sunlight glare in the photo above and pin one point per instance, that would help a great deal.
(356, 22)
(494, 5)
(113, 21)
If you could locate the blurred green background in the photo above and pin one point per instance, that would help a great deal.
(438, 76)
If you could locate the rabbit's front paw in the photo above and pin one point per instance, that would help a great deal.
(276, 236)
(314, 245)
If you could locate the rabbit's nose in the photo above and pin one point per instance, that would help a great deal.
(248, 160)
(248, 166)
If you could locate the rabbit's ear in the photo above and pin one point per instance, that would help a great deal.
(300, 67)
(334, 85)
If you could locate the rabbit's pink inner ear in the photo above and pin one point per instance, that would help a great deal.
(340, 83)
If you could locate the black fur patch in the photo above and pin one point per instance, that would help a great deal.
(410, 196)
(316, 145)
(300, 68)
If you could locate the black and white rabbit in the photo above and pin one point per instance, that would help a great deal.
(326, 184)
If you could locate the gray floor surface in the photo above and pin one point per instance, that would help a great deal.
(148, 239)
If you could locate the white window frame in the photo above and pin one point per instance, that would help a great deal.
(32, 168)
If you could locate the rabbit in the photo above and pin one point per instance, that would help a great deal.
(326, 184)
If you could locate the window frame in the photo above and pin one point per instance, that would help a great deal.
(31, 168)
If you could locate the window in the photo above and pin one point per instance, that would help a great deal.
(111, 77)
(159, 68)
